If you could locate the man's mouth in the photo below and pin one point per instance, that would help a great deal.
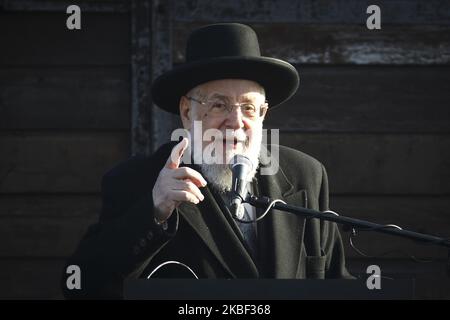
(233, 142)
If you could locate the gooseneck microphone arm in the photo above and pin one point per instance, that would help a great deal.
(264, 202)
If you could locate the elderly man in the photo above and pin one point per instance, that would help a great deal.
(165, 217)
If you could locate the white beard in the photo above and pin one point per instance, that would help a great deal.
(219, 176)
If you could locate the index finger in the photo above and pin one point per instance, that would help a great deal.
(190, 174)
(174, 159)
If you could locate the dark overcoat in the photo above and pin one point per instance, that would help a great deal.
(126, 243)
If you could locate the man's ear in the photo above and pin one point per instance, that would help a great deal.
(264, 110)
(185, 112)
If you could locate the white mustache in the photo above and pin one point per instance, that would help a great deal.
(236, 136)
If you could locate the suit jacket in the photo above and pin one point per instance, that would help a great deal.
(126, 243)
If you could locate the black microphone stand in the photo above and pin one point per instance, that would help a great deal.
(264, 202)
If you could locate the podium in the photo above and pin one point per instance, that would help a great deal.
(266, 289)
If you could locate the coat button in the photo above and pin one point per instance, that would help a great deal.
(150, 235)
(142, 242)
(136, 250)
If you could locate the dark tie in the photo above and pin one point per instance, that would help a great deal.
(249, 233)
(248, 230)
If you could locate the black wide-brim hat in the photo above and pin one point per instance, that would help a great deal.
(225, 51)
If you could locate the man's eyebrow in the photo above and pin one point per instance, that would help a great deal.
(246, 97)
(250, 97)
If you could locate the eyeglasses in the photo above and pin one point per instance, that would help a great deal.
(221, 107)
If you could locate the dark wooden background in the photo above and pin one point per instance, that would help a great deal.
(373, 106)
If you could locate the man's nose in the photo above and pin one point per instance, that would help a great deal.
(235, 118)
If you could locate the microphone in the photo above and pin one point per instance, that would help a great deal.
(240, 167)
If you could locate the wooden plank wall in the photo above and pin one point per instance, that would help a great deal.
(373, 106)
(64, 120)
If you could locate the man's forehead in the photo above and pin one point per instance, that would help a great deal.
(231, 87)
(244, 96)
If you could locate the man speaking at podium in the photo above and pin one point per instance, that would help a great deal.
(167, 218)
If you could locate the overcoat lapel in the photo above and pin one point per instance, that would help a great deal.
(279, 256)
(216, 228)
(280, 233)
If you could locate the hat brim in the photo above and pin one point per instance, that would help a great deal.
(279, 79)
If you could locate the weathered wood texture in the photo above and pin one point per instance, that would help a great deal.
(141, 64)
(42, 236)
(343, 44)
(60, 206)
(65, 98)
(367, 99)
(163, 123)
(380, 164)
(49, 162)
(102, 6)
(311, 11)
(42, 39)
(38, 226)
(30, 278)
(64, 119)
